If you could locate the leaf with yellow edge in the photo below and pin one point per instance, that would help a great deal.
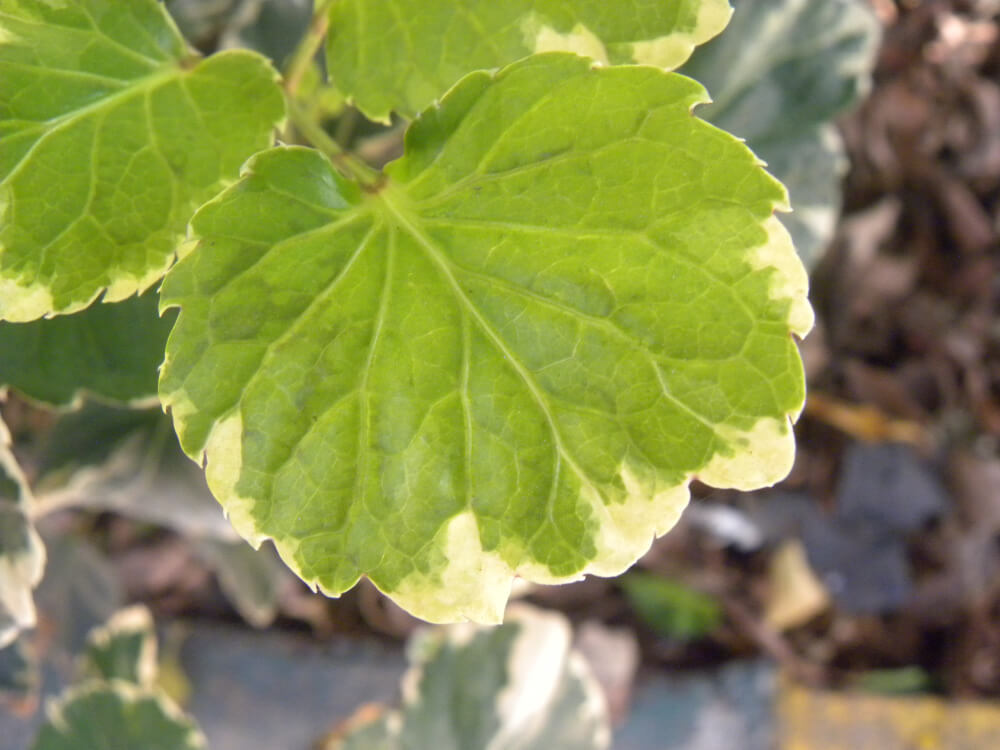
(111, 133)
(510, 356)
(401, 55)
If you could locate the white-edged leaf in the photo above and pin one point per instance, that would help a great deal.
(509, 356)
(22, 554)
(119, 715)
(514, 687)
(111, 133)
(128, 462)
(123, 649)
(401, 55)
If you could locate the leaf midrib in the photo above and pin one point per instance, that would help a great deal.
(399, 215)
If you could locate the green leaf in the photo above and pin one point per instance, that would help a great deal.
(401, 55)
(123, 649)
(22, 554)
(117, 704)
(511, 356)
(517, 686)
(116, 715)
(113, 351)
(778, 75)
(670, 608)
(111, 133)
(902, 681)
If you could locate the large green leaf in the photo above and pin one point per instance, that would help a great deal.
(111, 133)
(778, 75)
(516, 687)
(112, 351)
(22, 554)
(510, 356)
(401, 55)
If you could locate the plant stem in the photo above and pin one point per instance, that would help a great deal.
(303, 56)
(348, 165)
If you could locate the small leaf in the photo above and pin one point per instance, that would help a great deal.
(110, 135)
(117, 704)
(778, 75)
(670, 608)
(123, 649)
(567, 299)
(401, 55)
(902, 681)
(22, 554)
(517, 686)
(112, 351)
(116, 715)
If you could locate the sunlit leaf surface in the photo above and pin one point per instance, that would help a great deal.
(401, 55)
(510, 356)
(111, 133)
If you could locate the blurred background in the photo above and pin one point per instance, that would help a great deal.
(855, 605)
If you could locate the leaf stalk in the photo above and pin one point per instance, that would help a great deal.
(348, 165)
(308, 47)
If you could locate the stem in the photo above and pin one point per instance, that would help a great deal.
(303, 56)
(347, 164)
(346, 125)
